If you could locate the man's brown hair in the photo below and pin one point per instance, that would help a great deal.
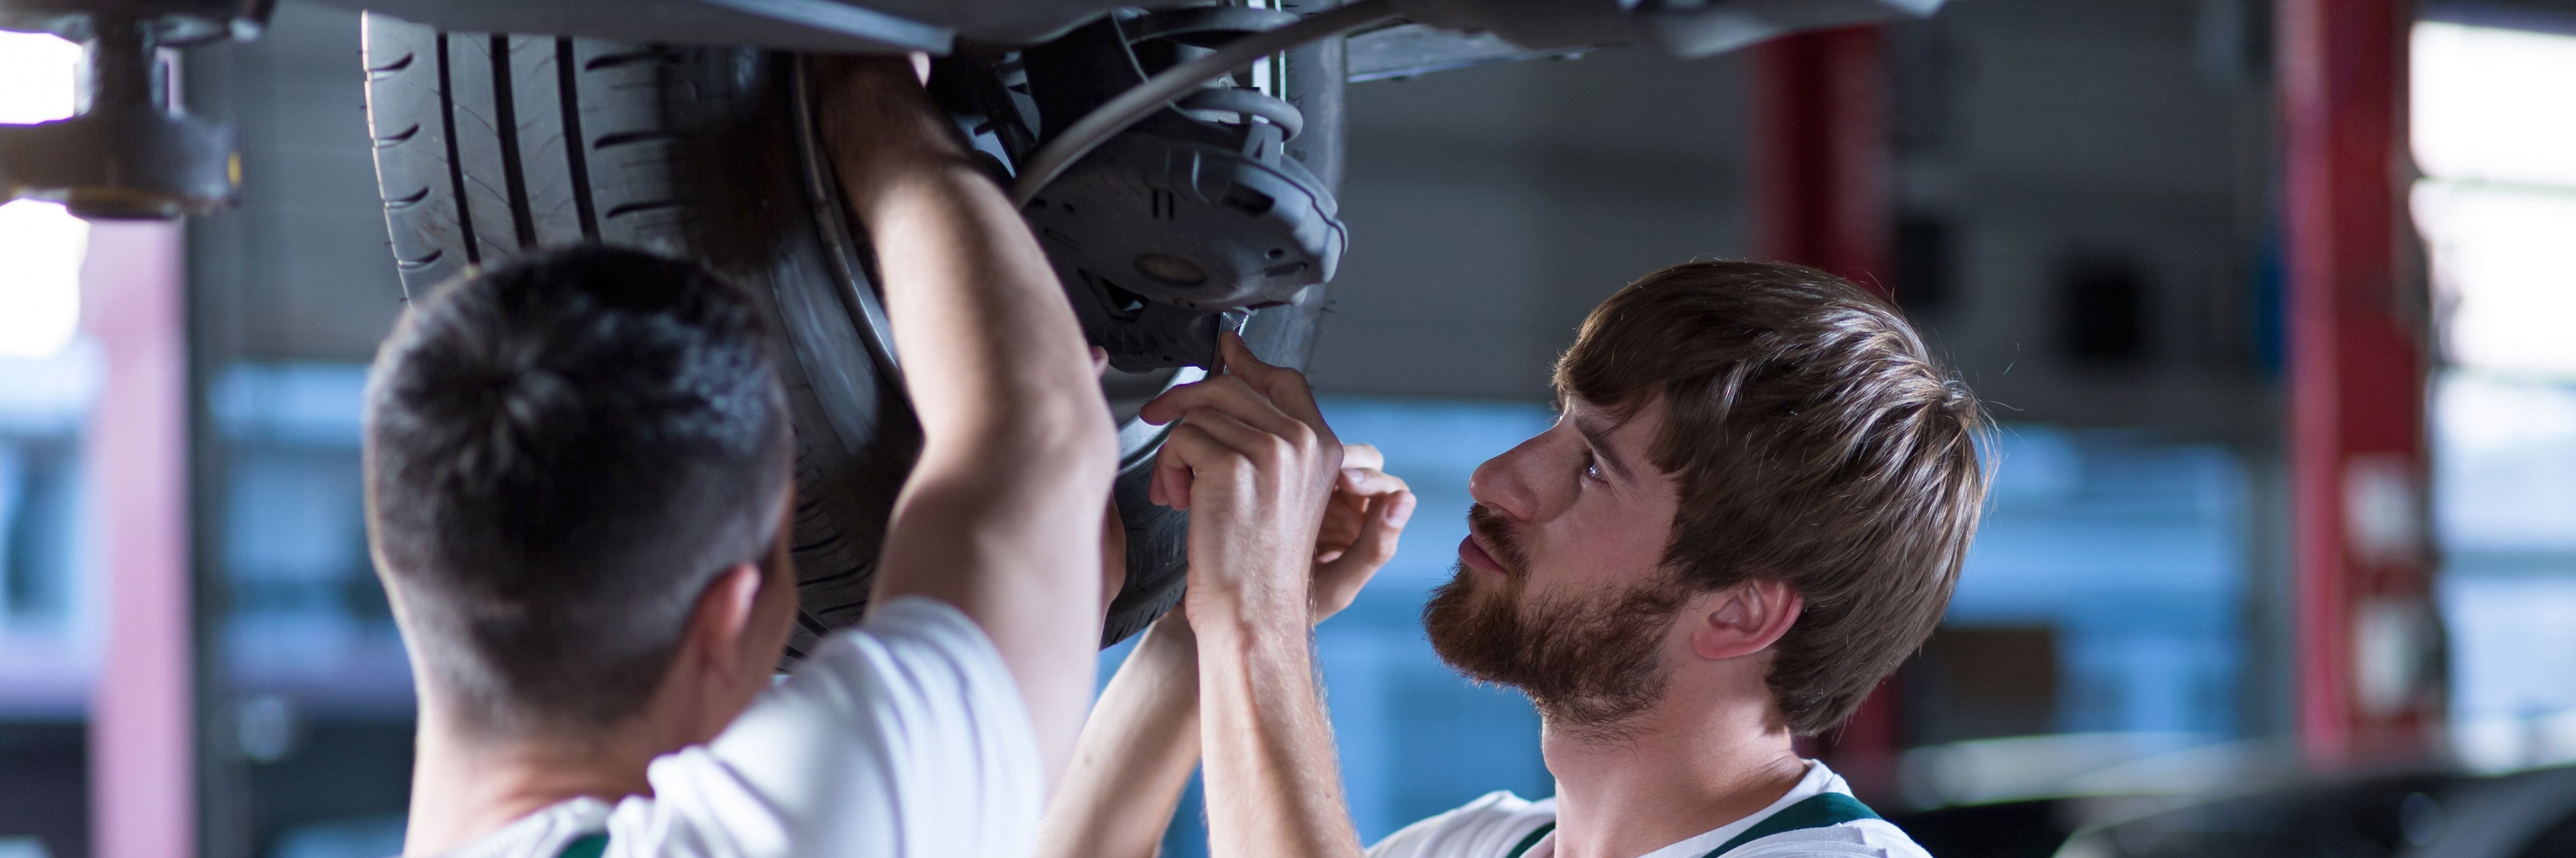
(1814, 441)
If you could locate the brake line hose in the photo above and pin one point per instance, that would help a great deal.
(1157, 92)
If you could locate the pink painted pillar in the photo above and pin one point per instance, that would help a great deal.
(141, 747)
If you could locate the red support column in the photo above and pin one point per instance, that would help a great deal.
(2366, 640)
(1820, 197)
(1820, 152)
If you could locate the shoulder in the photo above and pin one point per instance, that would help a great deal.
(903, 736)
(1485, 828)
(911, 623)
(914, 651)
(1859, 838)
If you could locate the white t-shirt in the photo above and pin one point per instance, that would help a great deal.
(1491, 825)
(905, 736)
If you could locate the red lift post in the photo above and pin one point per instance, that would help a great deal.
(1821, 160)
(2366, 636)
(1821, 152)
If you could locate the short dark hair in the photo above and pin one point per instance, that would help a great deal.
(561, 453)
(1815, 441)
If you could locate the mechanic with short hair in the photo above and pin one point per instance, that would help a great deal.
(1751, 509)
(579, 497)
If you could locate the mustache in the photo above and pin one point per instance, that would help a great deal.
(1588, 660)
(1495, 531)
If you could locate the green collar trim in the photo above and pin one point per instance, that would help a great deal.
(585, 846)
(1822, 810)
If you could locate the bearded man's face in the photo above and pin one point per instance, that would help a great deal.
(1561, 590)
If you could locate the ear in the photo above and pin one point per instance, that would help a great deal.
(720, 624)
(773, 611)
(1744, 619)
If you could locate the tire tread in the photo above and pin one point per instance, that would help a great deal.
(488, 146)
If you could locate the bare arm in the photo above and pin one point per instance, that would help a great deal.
(1269, 516)
(1143, 737)
(1136, 753)
(1001, 515)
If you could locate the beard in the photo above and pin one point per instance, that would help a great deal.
(1589, 663)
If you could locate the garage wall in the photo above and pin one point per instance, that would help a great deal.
(1491, 207)
(304, 699)
(299, 270)
(2041, 140)
(2058, 137)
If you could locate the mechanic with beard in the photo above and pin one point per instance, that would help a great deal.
(1751, 509)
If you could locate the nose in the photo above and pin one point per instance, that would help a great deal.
(1513, 484)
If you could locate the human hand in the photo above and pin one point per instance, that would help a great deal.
(1250, 458)
(1360, 528)
(1358, 534)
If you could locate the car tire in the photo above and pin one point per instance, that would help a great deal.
(492, 145)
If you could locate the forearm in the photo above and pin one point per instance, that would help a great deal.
(992, 358)
(1135, 755)
(1273, 780)
(1250, 458)
(1017, 451)
(1001, 513)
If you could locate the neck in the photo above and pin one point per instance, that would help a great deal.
(1689, 765)
(466, 783)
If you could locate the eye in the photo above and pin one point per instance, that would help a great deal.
(1591, 465)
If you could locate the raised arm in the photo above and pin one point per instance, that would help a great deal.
(1278, 540)
(1136, 753)
(1002, 514)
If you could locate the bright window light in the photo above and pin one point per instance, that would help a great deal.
(2504, 262)
(41, 246)
(2504, 467)
(2494, 105)
(2494, 128)
(37, 77)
